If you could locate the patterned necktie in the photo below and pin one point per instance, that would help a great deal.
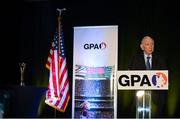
(148, 66)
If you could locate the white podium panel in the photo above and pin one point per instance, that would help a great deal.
(142, 80)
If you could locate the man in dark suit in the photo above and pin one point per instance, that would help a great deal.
(138, 62)
(148, 60)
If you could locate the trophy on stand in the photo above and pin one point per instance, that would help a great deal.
(22, 68)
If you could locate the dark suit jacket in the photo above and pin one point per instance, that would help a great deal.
(158, 96)
(138, 63)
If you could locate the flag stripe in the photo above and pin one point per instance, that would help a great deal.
(66, 99)
(63, 77)
(63, 88)
(64, 96)
(54, 74)
(61, 73)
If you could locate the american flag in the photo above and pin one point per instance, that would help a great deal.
(57, 95)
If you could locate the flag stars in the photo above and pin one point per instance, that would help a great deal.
(59, 43)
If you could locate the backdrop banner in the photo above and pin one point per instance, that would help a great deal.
(94, 90)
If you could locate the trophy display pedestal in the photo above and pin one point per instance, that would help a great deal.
(23, 101)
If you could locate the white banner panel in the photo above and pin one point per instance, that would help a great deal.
(94, 71)
(145, 79)
(97, 45)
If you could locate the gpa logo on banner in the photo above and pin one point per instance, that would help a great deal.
(95, 46)
(151, 80)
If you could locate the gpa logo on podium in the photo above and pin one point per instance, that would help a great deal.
(147, 80)
(159, 80)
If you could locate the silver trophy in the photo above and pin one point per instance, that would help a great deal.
(22, 69)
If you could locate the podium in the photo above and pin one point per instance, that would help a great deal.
(143, 82)
(143, 104)
(21, 101)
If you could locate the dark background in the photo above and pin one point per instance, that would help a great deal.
(27, 29)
